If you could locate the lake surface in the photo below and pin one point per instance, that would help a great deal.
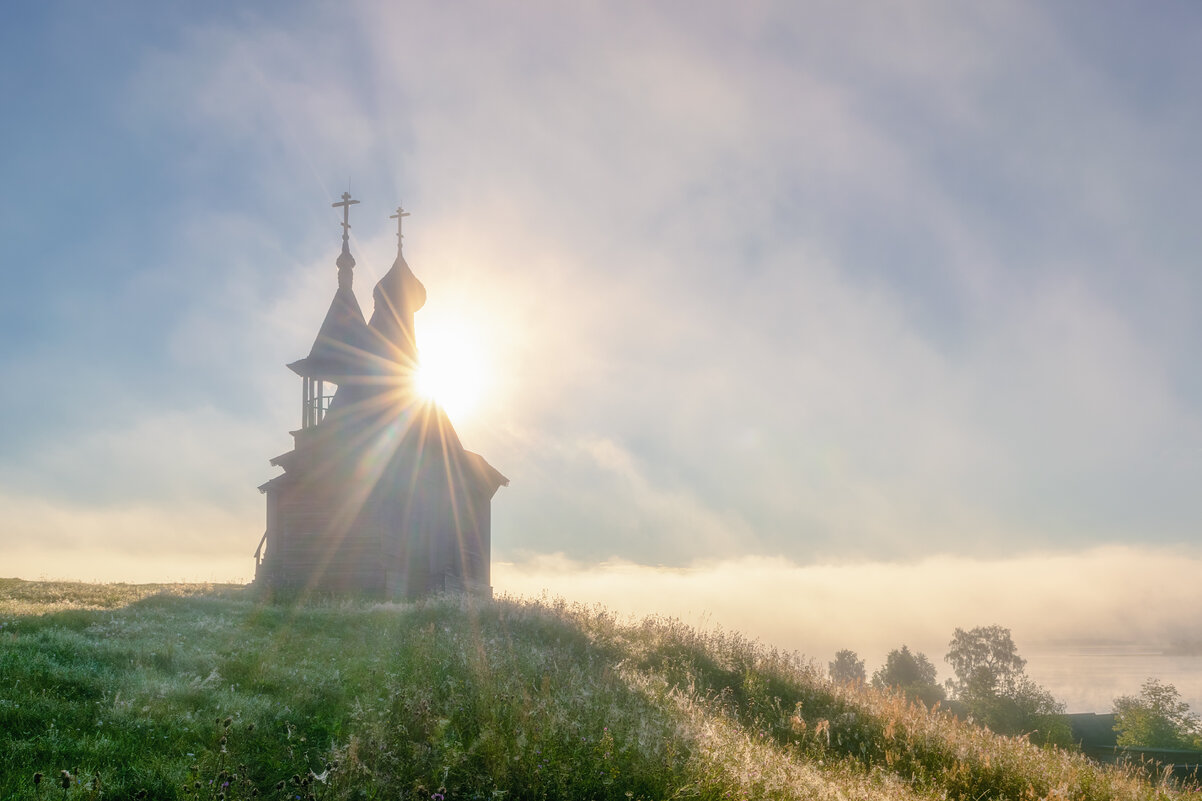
(1087, 678)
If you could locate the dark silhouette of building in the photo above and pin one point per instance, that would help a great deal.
(378, 495)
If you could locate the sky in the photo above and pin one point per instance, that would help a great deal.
(780, 298)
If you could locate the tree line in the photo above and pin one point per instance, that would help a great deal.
(991, 687)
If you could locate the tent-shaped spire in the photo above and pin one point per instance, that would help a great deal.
(342, 341)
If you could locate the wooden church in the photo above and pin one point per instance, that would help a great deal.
(378, 496)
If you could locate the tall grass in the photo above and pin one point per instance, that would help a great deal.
(210, 694)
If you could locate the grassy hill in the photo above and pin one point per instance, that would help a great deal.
(195, 692)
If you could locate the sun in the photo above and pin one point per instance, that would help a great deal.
(453, 367)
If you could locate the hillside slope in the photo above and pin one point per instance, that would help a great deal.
(205, 693)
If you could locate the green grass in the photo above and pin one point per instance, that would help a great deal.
(202, 692)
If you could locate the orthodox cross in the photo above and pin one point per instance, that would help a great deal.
(400, 216)
(346, 212)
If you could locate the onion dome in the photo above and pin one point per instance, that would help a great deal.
(397, 296)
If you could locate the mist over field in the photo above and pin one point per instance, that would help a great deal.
(1092, 625)
(1066, 611)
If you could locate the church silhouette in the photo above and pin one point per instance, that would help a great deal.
(378, 496)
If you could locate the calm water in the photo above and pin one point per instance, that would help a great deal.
(1089, 678)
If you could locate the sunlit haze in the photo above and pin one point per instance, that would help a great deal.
(455, 368)
(837, 326)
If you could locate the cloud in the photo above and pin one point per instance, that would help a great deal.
(789, 280)
(191, 456)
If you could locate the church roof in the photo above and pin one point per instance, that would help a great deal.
(488, 474)
(407, 430)
(342, 341)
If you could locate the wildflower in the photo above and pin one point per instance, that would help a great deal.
(437, 797)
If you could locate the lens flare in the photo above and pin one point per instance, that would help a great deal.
(454, 368)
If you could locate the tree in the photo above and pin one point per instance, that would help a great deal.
(986, 663)
(993, 687)
(912, 673)
(847, 668)
(1157, 718)
(1026, 708)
